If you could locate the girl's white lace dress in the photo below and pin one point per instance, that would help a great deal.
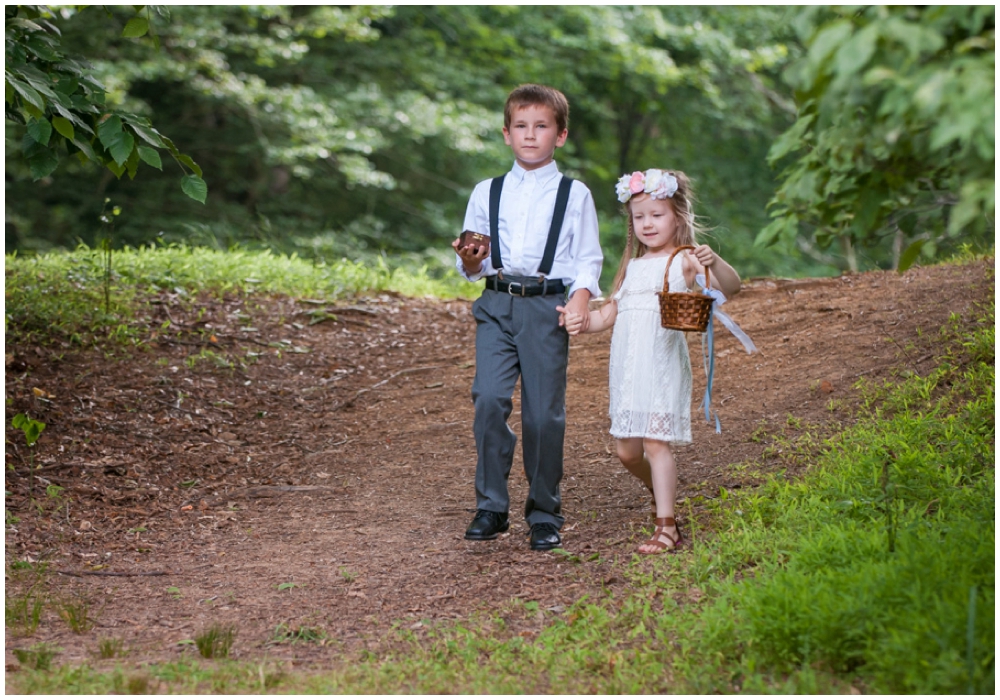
(650, 369)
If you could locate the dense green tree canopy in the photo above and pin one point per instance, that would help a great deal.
(344, 131)
(894, 142)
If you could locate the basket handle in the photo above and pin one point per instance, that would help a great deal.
(666, 274)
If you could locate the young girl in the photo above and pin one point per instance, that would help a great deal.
(650, 370)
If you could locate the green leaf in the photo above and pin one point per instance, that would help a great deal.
(150, 156)
(827, 41)
(132, 164)
(783, 227)
(149, 135)
(136, 27)
(118, 141)
(33, 432)
(86, 149)
(854, 54)
(118, 170)
(909, 255)
(64, 126)
(791, 140)
(40, 130)
(30, 427)
(28, 93)
(194, 187)
(107, 128)
(42, 162)
(186, 160)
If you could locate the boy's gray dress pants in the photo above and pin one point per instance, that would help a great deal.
(520, 336)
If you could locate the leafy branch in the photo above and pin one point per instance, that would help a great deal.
(62, 107)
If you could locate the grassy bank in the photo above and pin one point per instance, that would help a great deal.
(875, 571)
(85, 295)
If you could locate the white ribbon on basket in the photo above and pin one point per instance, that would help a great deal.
(718, 299)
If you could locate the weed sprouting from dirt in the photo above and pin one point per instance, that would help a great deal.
(76, 614)
(216, 642)
(111, 648)
(38, 657)
(286, 634)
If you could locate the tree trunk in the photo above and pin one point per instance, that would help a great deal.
(848, 247)
(897, 248)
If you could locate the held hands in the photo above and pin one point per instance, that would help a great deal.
(572, 321)
(472, 255)
(575, 315)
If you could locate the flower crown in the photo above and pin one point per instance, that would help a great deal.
(658, 184)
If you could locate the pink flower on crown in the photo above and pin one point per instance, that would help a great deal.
(638, 182)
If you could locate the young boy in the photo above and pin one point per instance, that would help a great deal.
(543, 244)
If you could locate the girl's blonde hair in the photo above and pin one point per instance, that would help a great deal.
(686, 232)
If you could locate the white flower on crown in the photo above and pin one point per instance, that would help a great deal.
(660, 184)
(622, 189)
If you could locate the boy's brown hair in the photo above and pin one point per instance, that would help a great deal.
(529, 94)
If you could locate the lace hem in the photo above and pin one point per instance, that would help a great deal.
(657, 426)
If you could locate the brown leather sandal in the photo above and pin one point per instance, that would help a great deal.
(660, 531)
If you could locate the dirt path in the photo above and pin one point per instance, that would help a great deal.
(327, 480)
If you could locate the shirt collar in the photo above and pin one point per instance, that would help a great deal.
(542, 174)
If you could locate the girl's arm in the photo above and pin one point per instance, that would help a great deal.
(600, 319)
(723, 276)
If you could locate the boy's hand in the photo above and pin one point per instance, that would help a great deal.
(472, 255)
(572, 321)
(578, 305)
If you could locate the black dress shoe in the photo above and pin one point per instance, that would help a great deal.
(544, 536)
(487, 525)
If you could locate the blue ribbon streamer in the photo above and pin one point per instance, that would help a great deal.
(708, 346)
(708, 349)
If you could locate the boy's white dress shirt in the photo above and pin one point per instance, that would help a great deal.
(526, 208)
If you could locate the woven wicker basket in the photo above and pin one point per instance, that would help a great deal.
(684, 311)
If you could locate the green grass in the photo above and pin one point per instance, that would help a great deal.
(62, 295)
(216, 642)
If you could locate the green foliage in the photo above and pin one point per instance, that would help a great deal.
(345, 131)
(62, 108)
(38, 657)
(286, 634)
(111, 648)
(31, 428)
(76, 614)
(23, 613)
(893, 150)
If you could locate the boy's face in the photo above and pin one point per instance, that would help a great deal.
(533, 136)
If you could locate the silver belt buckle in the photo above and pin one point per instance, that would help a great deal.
(510, 288)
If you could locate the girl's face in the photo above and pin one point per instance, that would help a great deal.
(654, 223)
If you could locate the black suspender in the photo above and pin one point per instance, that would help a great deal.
(562, 199)
(495, 188)
(558, 214)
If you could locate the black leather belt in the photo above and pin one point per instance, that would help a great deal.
(525, 289)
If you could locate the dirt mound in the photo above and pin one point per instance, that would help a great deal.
(284, 462)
